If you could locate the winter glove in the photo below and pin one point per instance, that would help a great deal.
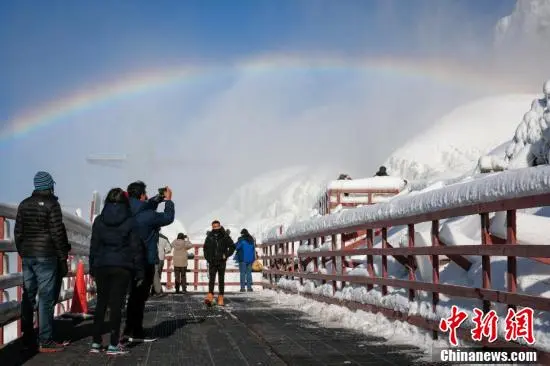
(63, 268)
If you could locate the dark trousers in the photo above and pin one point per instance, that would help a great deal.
(39, 277)
(112, 284)
(181, 277)
(136, 303)
(219, 268)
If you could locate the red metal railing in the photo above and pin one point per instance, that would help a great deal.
(279, 258)
(9, 280)
(333, 198)
(198, 263)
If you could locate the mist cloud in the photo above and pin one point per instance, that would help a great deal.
(207, 137)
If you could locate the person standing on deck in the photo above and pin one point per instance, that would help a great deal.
(148, 223)
(181, 245)
(116, 258)
(218, 247)
(41, 241)
(246, 254)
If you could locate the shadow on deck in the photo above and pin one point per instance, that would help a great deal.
(248, 331)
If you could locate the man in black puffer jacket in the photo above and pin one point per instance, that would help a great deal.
(218, 247)
(41, 241)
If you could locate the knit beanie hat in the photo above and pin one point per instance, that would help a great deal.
(43, 181)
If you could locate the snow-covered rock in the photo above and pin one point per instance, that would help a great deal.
(530, 144)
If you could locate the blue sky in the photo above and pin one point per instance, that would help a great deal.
(54, 48)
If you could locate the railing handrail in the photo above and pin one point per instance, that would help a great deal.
(514, 189)
(71, 221)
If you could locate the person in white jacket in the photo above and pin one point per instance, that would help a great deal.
(181, 245)
(164, 248)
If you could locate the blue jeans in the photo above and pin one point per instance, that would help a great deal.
(246, 274)
(39, 277)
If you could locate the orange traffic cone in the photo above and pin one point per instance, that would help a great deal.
(79, 304)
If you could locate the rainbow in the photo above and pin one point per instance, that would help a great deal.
(442, 72)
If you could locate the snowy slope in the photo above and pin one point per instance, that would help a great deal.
(454, 144)
(275, 198)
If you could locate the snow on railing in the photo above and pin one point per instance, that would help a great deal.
(488, 188)
(320, 270)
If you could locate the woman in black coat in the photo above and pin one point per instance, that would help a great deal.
(116, 257)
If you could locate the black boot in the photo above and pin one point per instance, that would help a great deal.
(177, 288)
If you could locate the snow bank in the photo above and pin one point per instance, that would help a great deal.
(374, 183)
(453, 145)
(532, 229)
(533, 279)
(530, 145)
(489, 188)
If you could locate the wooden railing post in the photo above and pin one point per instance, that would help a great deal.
(511, 274)
(370, 260)
(384, 260)
(286, 260)
(315, 259)
(323, 260)
(292, 249)
(196, 269)
(333, 247)
(168, 273)
(342, 262)
(435, 269)
(411, 259)
(485, 259)
(270, 250)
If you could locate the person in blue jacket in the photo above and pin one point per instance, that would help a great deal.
(148, 223)
(246, 254)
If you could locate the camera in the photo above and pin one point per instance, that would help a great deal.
(162, 191)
